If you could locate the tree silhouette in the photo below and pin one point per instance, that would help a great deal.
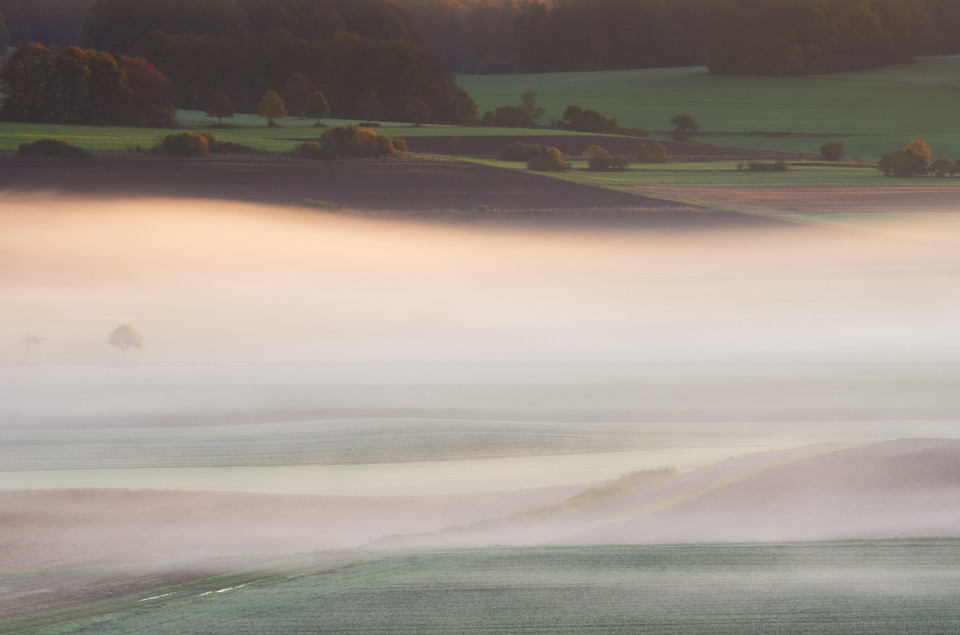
(317, 107)
(124, 337)
(528, 101)
(219, 106)
(29, 341)
(271, 108)
(683, 126)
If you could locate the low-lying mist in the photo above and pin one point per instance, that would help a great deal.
(282, 301)
(310, 381)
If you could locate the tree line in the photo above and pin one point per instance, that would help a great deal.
(73, 85)
(360, 53)
(774, 37)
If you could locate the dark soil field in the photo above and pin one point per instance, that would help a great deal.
(427, 189)
(574, 145)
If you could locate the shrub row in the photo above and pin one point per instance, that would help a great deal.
(351, 142)
(52, 148)
(761, 166)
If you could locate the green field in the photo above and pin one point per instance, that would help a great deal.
(855, 587)
(868, 111)
(246, 129)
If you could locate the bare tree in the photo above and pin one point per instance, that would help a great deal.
(124, 337)
(29, 341)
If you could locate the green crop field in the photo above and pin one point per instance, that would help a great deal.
(855, 587)
(869, 112)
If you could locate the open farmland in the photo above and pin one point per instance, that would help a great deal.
(319, 387)
(854, 587)
(928, 211)
(793, 114)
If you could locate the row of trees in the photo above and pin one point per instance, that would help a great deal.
(776, 37)
(116, 25)
(84, 86)
(361, 78)
(914, 159)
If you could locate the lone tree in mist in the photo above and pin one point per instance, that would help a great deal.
(29, 341)
(124, 337)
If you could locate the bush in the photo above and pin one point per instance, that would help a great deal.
(595, 151)
(52, 148)
(186, 144)
(551, 160)
(657, 154)
(832, 151)
(608, 163)
(521, 151)
(760, 166)
(575, 118)
(354, 142)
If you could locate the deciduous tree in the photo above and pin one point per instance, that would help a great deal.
(271, 108)
(219, 106)
(124, 337)
(317, 107)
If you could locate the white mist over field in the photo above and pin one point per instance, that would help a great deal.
(264, 307)
(312, 381)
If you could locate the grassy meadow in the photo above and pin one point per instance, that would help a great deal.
(868, 111)
(855, 587)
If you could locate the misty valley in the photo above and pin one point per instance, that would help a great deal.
(312, 382)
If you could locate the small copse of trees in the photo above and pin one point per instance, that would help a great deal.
(351, 142)
(910, 160)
